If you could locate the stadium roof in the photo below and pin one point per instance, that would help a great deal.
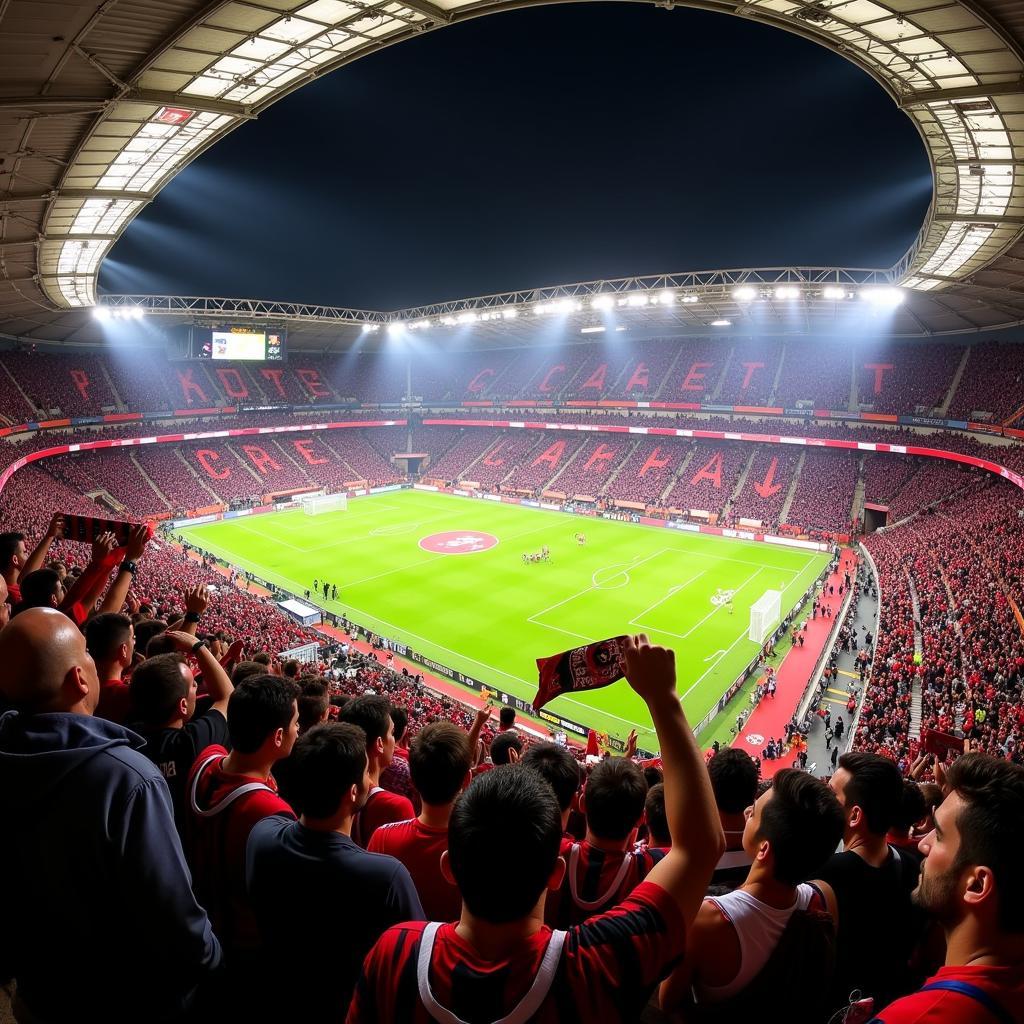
(103, 101)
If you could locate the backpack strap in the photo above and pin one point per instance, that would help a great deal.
(522, 1012)
(238, 791)
(620, 877)
(979, 995)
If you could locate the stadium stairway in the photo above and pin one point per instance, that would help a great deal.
(149, 480)
(955, 383)
(784, 512)
(769, 718)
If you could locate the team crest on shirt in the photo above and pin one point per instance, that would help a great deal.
(458, 542)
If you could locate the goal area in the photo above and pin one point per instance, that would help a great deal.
(765, 614)
(315, 504)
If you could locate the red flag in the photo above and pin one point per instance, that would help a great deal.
(583, 668)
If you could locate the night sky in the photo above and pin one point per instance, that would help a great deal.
(539, 147)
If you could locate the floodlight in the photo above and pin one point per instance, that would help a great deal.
(592, 330)
(744, 293)
(509, 313)
(884, 298)
(722, 322)
(667, 298)
(101, 313)
(690, 299)
(466, 318)
(834, 291)
(395, 327)
(787, 291)
(621, 329)
(637, 299)
(449, 321)
(604, 301)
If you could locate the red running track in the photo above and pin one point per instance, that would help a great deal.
(769, 718)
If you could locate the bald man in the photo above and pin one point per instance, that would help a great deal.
(99, 917)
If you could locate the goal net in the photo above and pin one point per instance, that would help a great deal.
(765, 613)
(325, 503)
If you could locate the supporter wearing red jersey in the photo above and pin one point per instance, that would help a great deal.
(16, 562)
(440, 765)
(372, 714)
(562, 772)
(971, 882)
(229, 793)
(110, 638)
(603, 869)
(500, 960)
(658, 837)
(396, 777)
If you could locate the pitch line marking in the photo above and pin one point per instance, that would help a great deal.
(742, 636)
(672, 591)
(633, 564)
(697, 625)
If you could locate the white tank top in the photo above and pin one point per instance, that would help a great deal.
(758, 928)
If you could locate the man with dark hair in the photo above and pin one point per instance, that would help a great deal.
(144, 632)
(506, 718)
(313, 889)
(395, 778)
(163, 710)
(16, 562)
(244, 669)
(502, 746)
(440, 763)
(562, 771)
(658, 837)
(870, 884)
(603, 869)
(41, 588)
(228, 794)
(100, 922)
(734, 778)
(749, 948)
(503, 840)
(372, 714)
(912, 810)
(313, 703)
(110, 638)
(971, 883)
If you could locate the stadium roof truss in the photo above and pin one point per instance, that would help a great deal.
(102, 102)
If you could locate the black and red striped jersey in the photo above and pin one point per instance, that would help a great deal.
(602, 970)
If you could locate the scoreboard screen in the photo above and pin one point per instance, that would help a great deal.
(249, 344)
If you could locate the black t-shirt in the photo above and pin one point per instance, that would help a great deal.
(878, 925)
(321, 903)
(174, 751)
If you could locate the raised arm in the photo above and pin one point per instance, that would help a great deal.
(693, 823)
(482, 716)
(134, 550)
(54, 532)
(87, 588)
(218, 683)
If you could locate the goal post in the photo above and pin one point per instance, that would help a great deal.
(319, 503)
(765, 614)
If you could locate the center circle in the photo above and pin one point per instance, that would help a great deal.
(458, 542)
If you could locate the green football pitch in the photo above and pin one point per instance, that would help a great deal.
(489, 615)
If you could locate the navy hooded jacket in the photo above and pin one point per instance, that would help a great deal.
(99, 920)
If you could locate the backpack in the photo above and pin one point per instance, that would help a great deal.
(800, 967)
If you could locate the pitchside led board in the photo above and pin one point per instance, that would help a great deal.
(238, 344)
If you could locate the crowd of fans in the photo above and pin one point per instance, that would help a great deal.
(897, 378)
(226, 820)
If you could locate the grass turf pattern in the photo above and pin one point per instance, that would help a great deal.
(490, 616)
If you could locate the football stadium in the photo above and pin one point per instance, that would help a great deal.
(413, 609)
